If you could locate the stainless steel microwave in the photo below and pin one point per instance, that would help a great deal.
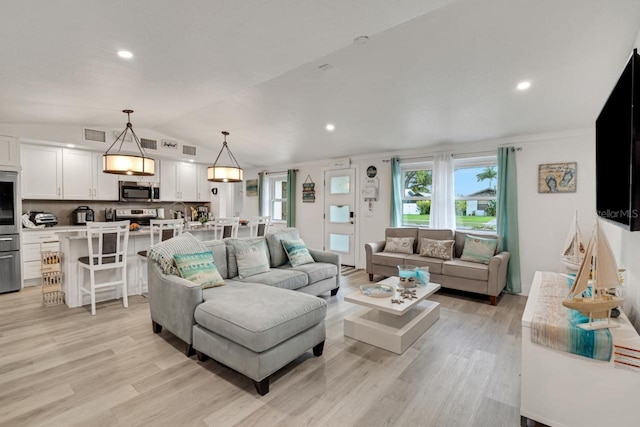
(139, 192)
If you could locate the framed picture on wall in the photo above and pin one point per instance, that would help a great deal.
(558, 177)
(252, 188)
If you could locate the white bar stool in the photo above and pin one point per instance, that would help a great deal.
(259, 225)
(226, 227)
(159, 231)
(108, 253)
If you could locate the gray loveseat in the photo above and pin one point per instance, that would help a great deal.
(254, 325)
(454, 274)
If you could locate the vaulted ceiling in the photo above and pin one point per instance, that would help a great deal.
(431, 72)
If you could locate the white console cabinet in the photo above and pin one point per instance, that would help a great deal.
(564, 389)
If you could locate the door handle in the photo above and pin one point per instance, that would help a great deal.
(6, 256)
(5, 239)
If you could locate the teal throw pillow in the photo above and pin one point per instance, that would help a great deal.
(199, 268)
(252, 259)
(478, 249)
(297, 252)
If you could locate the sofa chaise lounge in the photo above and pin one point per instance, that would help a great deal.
(254, 325)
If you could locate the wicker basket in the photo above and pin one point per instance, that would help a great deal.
(52, 286)
(52, 298)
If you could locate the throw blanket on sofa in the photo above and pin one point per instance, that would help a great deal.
(554, 325)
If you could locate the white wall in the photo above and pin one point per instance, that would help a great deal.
(544, 218)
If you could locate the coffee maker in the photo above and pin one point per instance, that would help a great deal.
(82, 215)
(203, 212)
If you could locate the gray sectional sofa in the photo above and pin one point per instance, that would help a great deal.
(487, 279)
(254, 325)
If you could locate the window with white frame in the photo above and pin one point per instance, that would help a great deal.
(277, 197)
(475, 182)
(416, 193)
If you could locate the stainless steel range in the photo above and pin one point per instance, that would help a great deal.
(140, 216)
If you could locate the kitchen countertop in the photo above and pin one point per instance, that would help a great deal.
(73, 234)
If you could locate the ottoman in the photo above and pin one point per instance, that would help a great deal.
(257, 329)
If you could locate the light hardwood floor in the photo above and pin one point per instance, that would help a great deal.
(61, 366)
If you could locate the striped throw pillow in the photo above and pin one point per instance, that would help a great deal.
(199, 268)
(297, 252)
(163, 252)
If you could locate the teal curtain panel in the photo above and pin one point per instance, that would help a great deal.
(291, 198)
(396, 193)
(507, 215)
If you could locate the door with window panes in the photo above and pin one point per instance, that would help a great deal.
(339, 213)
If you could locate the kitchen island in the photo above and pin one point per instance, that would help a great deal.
(73, 245)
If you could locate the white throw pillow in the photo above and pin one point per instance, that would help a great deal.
(400, 245)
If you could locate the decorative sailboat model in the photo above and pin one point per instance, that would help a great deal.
(600, 262)
(574, 249)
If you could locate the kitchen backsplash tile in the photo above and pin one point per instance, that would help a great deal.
(63, 208)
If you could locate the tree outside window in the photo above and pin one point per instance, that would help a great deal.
(416, 200)
(475, 189)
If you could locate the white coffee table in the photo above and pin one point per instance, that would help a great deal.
(390, 326)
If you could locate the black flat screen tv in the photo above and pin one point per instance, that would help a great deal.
(618, 151)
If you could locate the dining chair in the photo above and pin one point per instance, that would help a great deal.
(226, 227)
(259, 225)
(107, 244)
(159, 231)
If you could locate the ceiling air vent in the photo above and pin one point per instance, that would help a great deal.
(94, 135)
(188, 150)
(149, 144)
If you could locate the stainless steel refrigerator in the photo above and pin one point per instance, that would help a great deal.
(10, 277)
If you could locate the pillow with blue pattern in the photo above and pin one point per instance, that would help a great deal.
(199, 268)
(297, 252)
(478, 249)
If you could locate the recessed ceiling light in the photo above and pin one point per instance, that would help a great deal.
(70, 145)
(523, 85)
(125, 54)
(330, 127)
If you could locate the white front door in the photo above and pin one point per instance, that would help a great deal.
(339, 213)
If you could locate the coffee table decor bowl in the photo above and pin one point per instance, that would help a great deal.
(377, 290)
(406, 282)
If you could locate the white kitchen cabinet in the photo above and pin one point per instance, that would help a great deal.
(41, 172)
(178, 181)
(34, 243)
(169, 181)
(9, 151)
(188, 182)
(155, 179)
(204, 186)
(105, 185)
(83, 178)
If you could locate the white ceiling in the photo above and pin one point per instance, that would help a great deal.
(433, 71)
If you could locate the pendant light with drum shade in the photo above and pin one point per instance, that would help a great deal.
(220, 173)
(127, 164)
